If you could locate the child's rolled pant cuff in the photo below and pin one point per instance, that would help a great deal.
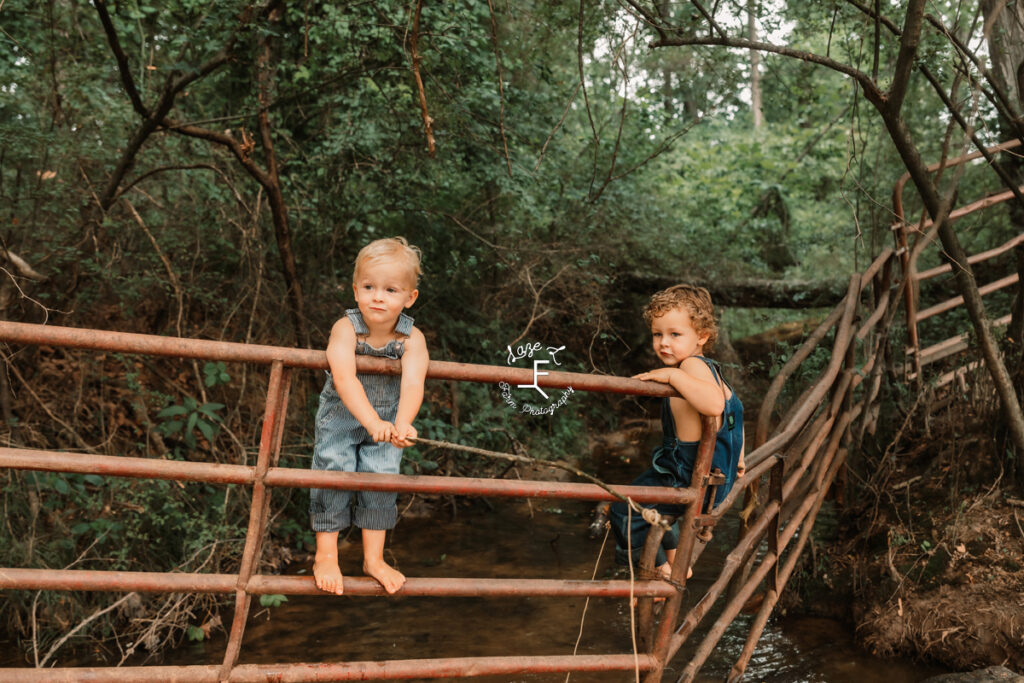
(330, 520)
(376, 518)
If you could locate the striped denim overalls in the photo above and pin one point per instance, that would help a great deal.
(343, 444)
(672, 465)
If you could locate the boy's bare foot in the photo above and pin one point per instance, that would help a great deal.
(386, 575)
(327, 574)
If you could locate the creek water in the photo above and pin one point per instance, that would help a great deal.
(536, 540)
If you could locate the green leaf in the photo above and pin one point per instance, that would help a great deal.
(61, 484)
(206, 429)
(273, 600)
(80, 528)
(172, 411)
(195, 633)
(209, 410)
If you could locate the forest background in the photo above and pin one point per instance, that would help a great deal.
(210, 169)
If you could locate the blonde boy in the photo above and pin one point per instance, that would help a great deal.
(365, 420)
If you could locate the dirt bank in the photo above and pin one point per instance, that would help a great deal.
(929, 552)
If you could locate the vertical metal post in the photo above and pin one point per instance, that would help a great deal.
(270, 440)
(661, 650)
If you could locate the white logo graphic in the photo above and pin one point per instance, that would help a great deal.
(527, 352)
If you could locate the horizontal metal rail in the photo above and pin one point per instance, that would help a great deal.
(349, 671)
(263, 584)
(216, 473)
(202, 349)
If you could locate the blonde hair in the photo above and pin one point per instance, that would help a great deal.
(391, 249)
(696, 301)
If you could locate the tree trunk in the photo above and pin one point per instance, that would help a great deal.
(278, 208)
(1004, 25)
(755, 65)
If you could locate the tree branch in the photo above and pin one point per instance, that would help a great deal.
(909, 42)
(864, 80)
(955, 112)
(415, 54)
(711, 20)
(875, 15)
(1001, 100)
(586, 97)
(657, 23)
(238, 149)
(501, 88)
(122, 60)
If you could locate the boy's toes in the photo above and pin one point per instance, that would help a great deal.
(328, 578)
(387, 576)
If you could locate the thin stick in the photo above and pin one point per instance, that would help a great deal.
(559, 464)
(586, 604)
(83, 624)
(415, 52)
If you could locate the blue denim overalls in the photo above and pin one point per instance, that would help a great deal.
(343, 444)
(672, 465)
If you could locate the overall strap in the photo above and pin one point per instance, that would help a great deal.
(728, 416)
(404, 325)
(357, 322)
(716, 371)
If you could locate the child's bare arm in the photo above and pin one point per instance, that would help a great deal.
(695, 382)
(414, 371)
(341, 357)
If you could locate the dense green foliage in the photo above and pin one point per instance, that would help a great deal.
(544, 194)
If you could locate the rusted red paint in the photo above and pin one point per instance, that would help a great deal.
(266, 584)
(146, 468)
(348, 671)
(177, 347)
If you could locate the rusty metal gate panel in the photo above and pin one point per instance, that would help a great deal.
(801, 457)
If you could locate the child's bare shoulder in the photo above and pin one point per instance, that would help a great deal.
(417, 334)
(697, 367)
(342, 332)
(416, 341)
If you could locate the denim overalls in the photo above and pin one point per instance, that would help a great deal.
(343, 444)
(672, 465)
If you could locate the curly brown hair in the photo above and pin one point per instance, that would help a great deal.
(696, 301)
